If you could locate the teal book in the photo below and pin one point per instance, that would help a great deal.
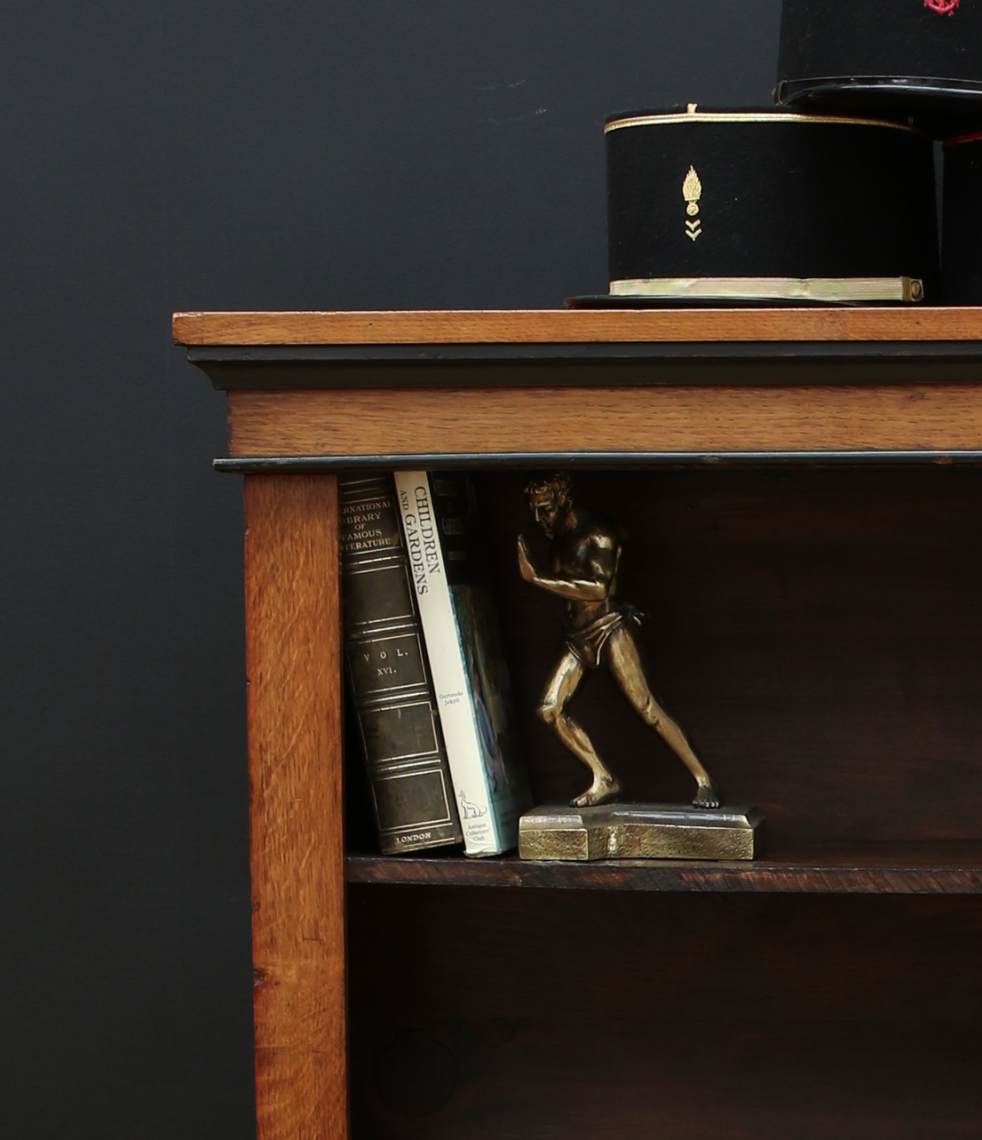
(465, 654)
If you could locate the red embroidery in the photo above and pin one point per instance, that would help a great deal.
(945, 7)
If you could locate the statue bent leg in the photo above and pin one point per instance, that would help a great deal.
(624, 662)
(552, 709)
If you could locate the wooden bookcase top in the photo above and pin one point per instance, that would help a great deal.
(421, 387)
(578, 326)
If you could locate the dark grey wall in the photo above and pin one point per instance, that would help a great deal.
(212, 154)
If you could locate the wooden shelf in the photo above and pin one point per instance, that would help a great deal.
(572, 326)
(874, 870)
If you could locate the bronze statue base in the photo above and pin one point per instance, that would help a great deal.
(640, 831)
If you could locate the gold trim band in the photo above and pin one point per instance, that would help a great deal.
(828, 289)
(749, 117)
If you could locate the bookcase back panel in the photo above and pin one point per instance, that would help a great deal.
(817, 631)
(465, 953)
(537, 1014)
(604, 1081)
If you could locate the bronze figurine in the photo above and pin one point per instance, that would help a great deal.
(583, 562)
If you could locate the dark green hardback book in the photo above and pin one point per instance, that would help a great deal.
(388, 674)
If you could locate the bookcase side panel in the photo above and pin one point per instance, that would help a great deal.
(293, 663)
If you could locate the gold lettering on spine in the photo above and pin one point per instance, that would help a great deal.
(692, 192)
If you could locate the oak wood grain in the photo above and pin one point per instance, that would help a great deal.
(544, 326)
(623, 420)
(297, 849)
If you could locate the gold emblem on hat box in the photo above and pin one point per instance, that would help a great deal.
(692, 192)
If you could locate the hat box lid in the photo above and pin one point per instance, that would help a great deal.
(758, 206)
(904, 57)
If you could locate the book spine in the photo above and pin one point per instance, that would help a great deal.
(478, 631)
(386, 665)
(457, 616)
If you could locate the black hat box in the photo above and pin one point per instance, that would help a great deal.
(769, 206)
(910, 57)
(961, 239)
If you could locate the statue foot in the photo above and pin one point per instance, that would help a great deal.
(707, 796)
(601, 791)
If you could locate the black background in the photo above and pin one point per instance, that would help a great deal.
(229, 155)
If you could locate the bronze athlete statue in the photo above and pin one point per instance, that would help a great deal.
(583, 564)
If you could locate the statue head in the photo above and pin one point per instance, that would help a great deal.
(549, 500)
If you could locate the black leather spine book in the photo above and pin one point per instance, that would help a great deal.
(386, 666)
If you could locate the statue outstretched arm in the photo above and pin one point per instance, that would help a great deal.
(573, 589)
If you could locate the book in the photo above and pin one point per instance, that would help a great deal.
(463, 646)
(387, 672)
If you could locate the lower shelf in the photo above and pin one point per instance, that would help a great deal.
(939, 869)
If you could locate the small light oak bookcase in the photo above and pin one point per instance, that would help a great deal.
(803, 491)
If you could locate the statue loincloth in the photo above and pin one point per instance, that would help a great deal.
(587, 642)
